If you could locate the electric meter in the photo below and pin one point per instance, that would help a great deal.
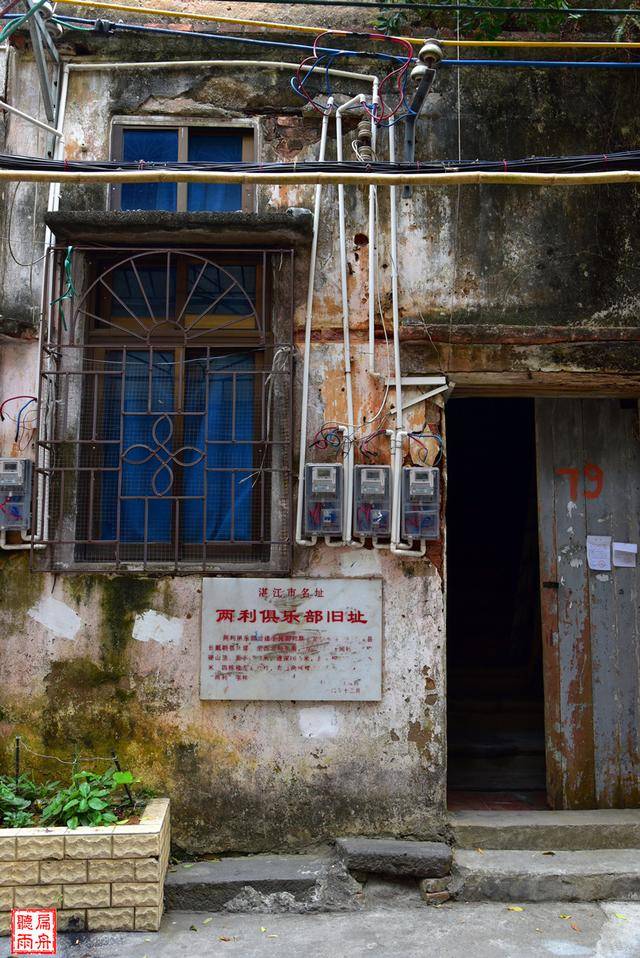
(420, 502)
(15, 493)
(372, 500)
(323, 499)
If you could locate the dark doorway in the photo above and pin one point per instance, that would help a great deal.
(495, 693)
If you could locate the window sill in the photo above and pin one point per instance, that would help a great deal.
(278, 228)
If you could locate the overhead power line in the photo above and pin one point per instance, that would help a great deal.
(304, 28)
(627, 160)
(106, 27)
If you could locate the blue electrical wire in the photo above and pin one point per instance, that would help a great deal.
(18, 417)
(367, 54)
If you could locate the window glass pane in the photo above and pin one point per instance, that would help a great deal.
(152, 145)
(214, 147)
(222, 291)
(219, 421)
(142, 291)
(137, 501)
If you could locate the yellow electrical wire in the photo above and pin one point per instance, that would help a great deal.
(302, 28)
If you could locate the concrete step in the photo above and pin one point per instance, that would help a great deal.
(394, 858)
(212, 885)
(525, 875)
(264, 884)
(546, 830)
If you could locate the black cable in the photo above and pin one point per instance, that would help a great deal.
(594, 163)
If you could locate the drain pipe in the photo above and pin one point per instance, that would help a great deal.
(304, 408)
(348, 454)
(397, 547)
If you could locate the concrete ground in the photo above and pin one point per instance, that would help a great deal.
(453, 930)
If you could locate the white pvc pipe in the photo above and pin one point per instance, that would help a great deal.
(16, 546)
(200, 64)
(396, 546)
(373, 250)
(30, 119)
(304, 407)
(348, 456)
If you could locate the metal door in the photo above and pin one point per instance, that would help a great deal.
(588, 464)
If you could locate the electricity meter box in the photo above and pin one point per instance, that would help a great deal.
(372, 501)
(15, 494)
(420, 502)
(323, 510)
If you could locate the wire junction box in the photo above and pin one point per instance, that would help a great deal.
(15, 494)
(323, 510)
(372, 501)
(420, 502)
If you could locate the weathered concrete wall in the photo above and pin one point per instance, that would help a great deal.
(480, 255)
(79, 669)
(243, 776)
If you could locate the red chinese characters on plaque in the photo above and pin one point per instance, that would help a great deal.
(33, 931)
(287, 639)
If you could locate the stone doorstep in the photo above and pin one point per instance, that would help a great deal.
(385, 856)
(547, 830)
(530, 875)
(209, 886)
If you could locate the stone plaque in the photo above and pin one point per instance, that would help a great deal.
(277, 639)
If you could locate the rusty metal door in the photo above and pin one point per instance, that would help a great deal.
(588, 464)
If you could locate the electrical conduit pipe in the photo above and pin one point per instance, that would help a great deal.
(304, 407)
(397, 547)
(348, 456)
(373, 249)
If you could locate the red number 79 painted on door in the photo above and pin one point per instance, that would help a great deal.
(592, 474)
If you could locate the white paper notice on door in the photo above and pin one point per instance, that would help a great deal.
(599, 553)
(624, 554)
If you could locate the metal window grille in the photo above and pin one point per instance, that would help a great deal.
(164, 440)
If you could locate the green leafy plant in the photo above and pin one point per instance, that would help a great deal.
(21, 819)
(10, 801)
(88, 800)
(489, 24)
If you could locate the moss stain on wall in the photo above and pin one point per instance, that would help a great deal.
(20, 588)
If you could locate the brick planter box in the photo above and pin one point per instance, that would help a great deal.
(101, 879)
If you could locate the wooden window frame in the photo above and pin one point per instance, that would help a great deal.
(183, 126)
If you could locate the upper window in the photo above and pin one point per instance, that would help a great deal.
(182, 144)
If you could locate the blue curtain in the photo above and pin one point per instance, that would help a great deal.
(215, 148)
(150, 144)
(226, 447)
(143, 435)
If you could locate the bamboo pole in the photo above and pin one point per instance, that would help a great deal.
(303, 177)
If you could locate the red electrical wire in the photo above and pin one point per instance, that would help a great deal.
(10, 399)
(399, 72)
(380, 113)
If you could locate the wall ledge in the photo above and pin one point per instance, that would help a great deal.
(277, 228)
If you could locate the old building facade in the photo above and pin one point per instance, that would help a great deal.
(161, 330)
